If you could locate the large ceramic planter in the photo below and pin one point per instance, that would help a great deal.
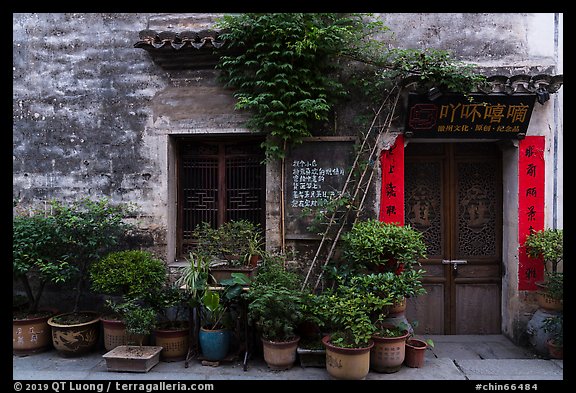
(388, 353)
(347, 363)
(280, 355)
(174, 341)
(132, 358)
(415, 353)
(31, 335)
(214, 344)
(75, 339)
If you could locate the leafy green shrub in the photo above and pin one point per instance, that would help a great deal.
(547, 244)
(275, 303)
(372, 244)
(38, 255)
(135, 274)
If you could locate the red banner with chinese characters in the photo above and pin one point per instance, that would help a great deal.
(530, 207)
(392, 193)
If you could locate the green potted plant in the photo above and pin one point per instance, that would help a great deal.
(275, 308)
(216, 308)
(37, 259)
(229, 247)
(173, 329)
(548, 245)
(194, 282)
(127, 275)
(140, 319)
(89, 229)
(378, 246)
(388, 353)
(554, 325)
(352, 313)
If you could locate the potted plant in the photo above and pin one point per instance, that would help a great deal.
(275, 308)
(554, 325)
(127, 275)
(194, 282)
(172, 332)
(548, 245)
(215, 316)
(378, 246)
(388, 353)
(352, 313)
(230, 247)
(89, 229)
(140, 321)
(37, 259)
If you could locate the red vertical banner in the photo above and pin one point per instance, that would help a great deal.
(392, 192)
(530, 207)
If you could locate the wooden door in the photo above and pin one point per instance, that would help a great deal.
(453, 195)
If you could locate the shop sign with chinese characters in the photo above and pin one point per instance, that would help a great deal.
(475, 116)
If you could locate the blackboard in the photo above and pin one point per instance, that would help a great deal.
(315, 171)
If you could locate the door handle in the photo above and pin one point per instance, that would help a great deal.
(454, 262)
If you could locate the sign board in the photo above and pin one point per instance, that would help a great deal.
(476, 116)
(316, 171)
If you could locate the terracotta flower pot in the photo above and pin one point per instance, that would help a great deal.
(31, 335)
(347, 363)
(415, 353)
(280, 355)
(388, 353)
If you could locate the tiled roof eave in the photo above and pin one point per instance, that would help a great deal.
(540, 84)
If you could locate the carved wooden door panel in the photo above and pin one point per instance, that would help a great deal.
(453, 194)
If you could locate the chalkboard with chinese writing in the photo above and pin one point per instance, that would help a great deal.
(316, 171)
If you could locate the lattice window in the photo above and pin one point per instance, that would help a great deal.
(218, 181)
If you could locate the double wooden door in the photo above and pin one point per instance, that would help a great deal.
(453, 195)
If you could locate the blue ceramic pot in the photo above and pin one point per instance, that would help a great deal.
(214, 344)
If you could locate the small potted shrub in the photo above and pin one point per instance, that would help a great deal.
(230, 247)
(352, 313)
(127, 275)
(140, 321)
(548, 245)
(173, 329)
(275, 308)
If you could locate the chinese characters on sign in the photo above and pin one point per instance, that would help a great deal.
(392, 193)
(530, 207)
(309, 183)
(315, 173)
(452, 115)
